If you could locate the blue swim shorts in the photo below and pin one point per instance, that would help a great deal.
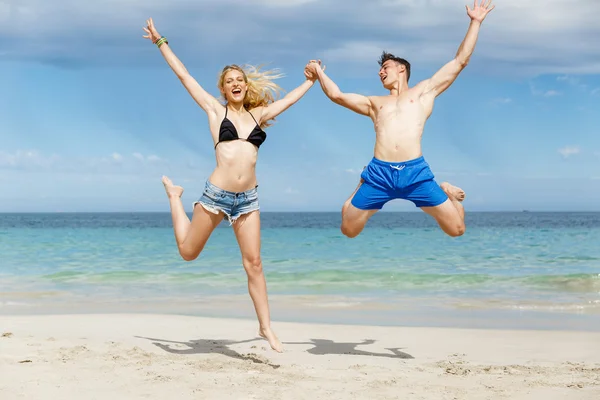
(408, 180)
(232, 204)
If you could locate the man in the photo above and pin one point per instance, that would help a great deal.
(398, 169)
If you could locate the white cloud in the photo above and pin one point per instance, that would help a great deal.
(356, 51)
(25, 159)
(517, 37)
(533, 37)
(282, 3)
(572, 80)
(33, 160)
(575, 82)
(153, 158)
(544, 93)
(551, 93)
(5, 11)
(569, 151)
(367, 52)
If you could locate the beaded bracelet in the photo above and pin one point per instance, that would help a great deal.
(161, 41)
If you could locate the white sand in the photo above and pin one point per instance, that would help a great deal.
(130, 357)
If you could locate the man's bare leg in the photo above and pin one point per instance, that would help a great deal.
(450, 215)
(247, 232)
(354, 219)
(191, 236)
(347, 202)
(456, 195)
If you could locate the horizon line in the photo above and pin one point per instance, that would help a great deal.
(525, 211)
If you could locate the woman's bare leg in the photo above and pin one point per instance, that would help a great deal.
(191, 236)
(247, 232)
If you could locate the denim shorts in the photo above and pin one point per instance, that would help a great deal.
(232, 204)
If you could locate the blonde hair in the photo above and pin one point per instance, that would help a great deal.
(261, 88)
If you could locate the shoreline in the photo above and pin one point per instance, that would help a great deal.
(334, 310)
(131, 356)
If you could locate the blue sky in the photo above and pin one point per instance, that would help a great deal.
(91, 115)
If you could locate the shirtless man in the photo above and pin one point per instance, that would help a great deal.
(398, 169)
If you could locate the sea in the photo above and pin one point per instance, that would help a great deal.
(510, 270)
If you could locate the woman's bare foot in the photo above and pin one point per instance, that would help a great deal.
(172, 190)
(453, 191)
(271, 338)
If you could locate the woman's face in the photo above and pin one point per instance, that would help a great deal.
(234, 86)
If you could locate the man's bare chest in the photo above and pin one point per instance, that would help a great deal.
(406, 106)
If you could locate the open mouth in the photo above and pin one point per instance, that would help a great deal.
(383, 78)
(236, 91)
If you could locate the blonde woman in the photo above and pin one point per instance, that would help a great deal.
(231, 190)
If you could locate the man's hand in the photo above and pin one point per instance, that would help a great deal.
(311, 71)
(479, 12)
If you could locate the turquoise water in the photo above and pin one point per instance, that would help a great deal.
(508, 263)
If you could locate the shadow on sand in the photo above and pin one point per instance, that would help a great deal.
(325, 347)
(206, 346)
(320, 347)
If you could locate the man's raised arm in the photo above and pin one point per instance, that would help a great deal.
(355, 102)
(442, 79)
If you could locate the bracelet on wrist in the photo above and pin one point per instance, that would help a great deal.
(162, 40)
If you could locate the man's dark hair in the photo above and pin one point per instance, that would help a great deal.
(385, 56)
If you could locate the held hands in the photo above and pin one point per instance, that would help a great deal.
(479, 12)
(311, 69)
(151, 31)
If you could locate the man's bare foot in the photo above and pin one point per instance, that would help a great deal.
(453, 191)
(172, 190)
(271, 338)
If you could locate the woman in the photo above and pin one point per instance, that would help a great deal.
(231, 190)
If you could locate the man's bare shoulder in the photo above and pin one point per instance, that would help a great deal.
(422, 83)
(421, 87)
(378, 99)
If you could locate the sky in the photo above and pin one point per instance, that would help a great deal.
(91, 116)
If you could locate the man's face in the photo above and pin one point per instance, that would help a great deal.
(389, 73)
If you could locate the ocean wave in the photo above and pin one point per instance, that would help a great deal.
(337, 279)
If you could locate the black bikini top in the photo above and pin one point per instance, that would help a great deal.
(227, 132)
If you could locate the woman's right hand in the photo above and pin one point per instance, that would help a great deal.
(311, 69)
(151, 31)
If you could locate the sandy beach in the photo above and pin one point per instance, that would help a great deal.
(143, 356)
